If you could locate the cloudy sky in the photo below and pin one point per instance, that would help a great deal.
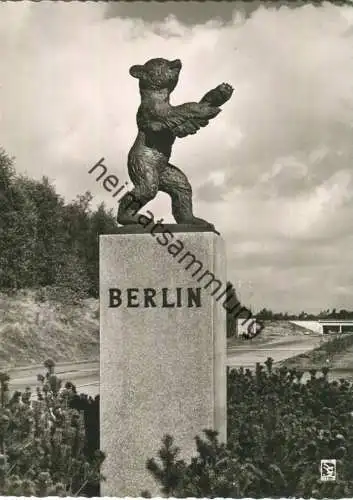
(273, 171)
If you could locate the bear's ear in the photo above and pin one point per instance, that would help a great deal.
(136, 71)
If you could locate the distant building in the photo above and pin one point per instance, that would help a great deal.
(336, 326)
(326, 326)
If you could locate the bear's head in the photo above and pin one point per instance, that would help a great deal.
(157, 74)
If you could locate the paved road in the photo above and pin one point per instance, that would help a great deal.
(85, 374)
(278, 349)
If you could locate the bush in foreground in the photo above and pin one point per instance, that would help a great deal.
(279, 429)
(43, 445)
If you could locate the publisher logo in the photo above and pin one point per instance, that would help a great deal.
(328, 470)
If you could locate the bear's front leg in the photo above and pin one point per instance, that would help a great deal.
(218, 96)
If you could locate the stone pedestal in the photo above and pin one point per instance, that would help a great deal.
(163, 348)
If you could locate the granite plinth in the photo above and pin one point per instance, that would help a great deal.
(162, 354)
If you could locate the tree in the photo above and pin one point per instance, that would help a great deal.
(71, 284)
(231, 303)
(18, 225)
(266, 314)
(102, 221)
(50, 236)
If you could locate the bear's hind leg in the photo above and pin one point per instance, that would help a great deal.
(145, 179)
(175, 183)
(132, 202)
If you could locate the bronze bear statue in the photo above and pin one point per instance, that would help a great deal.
(159, 124)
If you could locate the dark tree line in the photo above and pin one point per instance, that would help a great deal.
(267, 314)
(45, 242)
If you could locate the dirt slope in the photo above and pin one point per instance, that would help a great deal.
(31, 331)
(284, 328)
(273, 330)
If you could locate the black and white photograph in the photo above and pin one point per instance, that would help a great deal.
(176, 279)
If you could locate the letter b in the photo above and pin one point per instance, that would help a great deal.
(114, 297)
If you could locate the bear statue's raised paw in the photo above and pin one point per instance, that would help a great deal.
(220, 95)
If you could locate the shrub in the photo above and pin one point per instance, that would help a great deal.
(329, 347)
(43, 442)
(278, 431)
(338, 344)
(71, 284)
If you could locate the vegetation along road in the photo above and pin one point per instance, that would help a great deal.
(84, 375)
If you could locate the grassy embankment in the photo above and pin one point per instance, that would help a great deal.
(335, 352)
(32, 330)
